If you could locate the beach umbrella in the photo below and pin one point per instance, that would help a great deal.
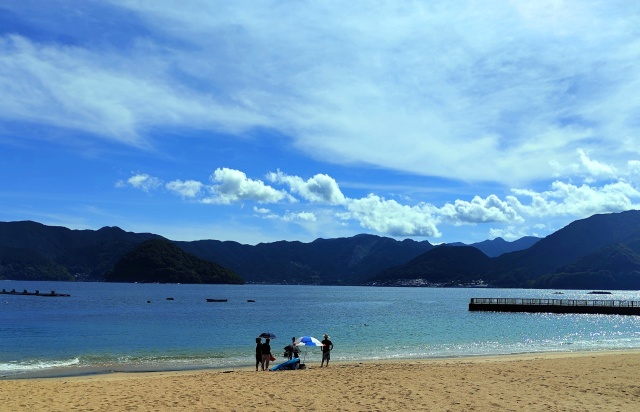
(267, 335)
(308, 341)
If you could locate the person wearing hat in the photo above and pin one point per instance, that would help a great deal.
(327, 347)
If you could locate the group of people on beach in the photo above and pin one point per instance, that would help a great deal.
(264, 355)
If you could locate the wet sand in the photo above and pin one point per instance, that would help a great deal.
(585, 381)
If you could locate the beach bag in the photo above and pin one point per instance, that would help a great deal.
(271, 358)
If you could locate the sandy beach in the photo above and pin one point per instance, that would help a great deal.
(600, 381)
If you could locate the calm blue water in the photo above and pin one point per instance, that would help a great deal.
(111, 327)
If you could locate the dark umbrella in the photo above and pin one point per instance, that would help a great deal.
(267, 335)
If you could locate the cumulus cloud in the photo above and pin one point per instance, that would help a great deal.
(478, 210)
(144, 182)
(188, 189)
(320, 188)
(634, 167)
(521, 212)
(392, 218)
(595, 168)
(233, 185)
(566, 199)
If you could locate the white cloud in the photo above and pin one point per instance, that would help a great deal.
(188, 188)
(233, 185)
(519, 210)
(305, 216)
(431, 88)
(479, 210)
(391, 218)
(320, 188)
(634, 167)
(109, 95)
(565, 199)
(595, 168)
(144, 182)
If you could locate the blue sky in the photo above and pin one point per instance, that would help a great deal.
(259, 121)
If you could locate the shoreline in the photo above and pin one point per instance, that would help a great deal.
(598, 380)
(89, 371)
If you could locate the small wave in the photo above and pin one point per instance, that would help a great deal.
(14, 368)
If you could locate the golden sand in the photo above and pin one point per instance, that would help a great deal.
(586, 381)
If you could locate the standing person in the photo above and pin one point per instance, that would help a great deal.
(291, 350)
(295, 352)
(258, 353)
(266, 354)
(327, 347)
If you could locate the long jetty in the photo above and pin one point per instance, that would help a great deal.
(36, 293)
(589, 306)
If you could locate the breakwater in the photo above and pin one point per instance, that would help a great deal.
(593, 306)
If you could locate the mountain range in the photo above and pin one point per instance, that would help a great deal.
(599, 252)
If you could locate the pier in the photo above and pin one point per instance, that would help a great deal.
(588, 306)
(36, 293)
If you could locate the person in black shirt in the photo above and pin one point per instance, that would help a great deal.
(327, 347)
(266, 354)
(258, 353)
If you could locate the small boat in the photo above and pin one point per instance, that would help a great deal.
(599, 292)
(216, 300)
(169, 298)
(250, 300)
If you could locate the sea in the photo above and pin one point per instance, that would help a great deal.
(124, 327)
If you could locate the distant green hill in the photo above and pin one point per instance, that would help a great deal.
(499, 246)
(26, 264)
(86, 254)
(441, 266)
(611, 267)
(159, 260)
(340, 261)
(599, 252)
(89, 254)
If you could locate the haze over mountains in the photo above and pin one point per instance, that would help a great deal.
(602, 251)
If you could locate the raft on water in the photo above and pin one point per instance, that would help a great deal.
(588, 306)
(36, 293)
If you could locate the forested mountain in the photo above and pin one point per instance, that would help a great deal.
(85, 254)
(599, 251)
(159, 260)
(89, 255)
(349, 260)
(616, 266)
(602, 251)
(442, 266)
(27, 264)
(499, 246)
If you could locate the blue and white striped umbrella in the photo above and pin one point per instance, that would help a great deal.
(308, 341)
